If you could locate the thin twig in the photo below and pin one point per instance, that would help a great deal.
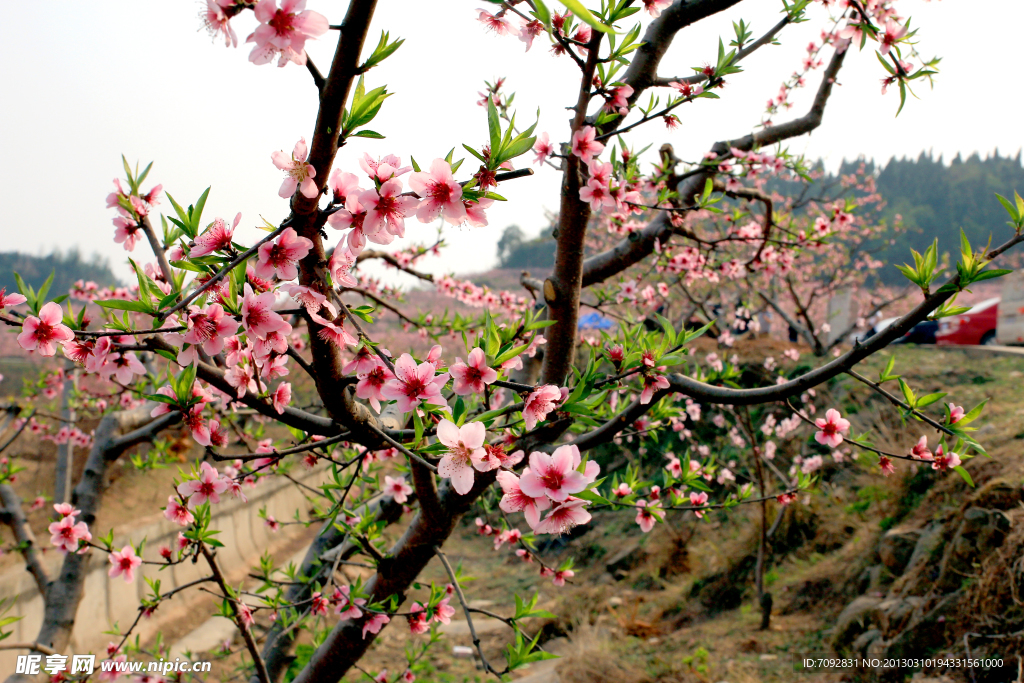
(465, 608)
(163, 315)
(250, 643)
(375, 429)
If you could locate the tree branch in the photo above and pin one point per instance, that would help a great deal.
(14, 516)
(562, 290)
(628, 252)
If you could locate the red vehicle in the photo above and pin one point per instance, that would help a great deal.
(974, 326)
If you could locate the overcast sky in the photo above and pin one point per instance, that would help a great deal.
(84, 82)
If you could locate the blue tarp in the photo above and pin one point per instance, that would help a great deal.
(594, 321)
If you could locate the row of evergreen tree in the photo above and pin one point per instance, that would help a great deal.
(67, 268)
(936, 200)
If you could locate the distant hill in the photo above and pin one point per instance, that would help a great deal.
(935, 200)
(67, 268)
(518, 253)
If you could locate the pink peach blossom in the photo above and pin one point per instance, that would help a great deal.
(178, 513)
(652, 383)
(281, 255)
(920, 449)
(333, 331)
(216, 238)
(831, 428)
(126, 231)
(258, 315)
(654, 7)
(584, 145)
(298, 174)
(207, 487)
(398, 489)
(282, 397)
(564, 517)
(414, 383)
(66, 534)
(539, 403)
(39, 334)
(542, 148)
(648, 514)
(283, 32)
(66, 510)
(12, 299)
(375, 623)
(383, 169)
(386, 209)
(440, 194)
(499, 23)
(465, 449)
(555, 475)
(340, 266)
(345, 607)
(944, 461)
(217, 22)
(514, 500)
(472, 376)
(371, 383)
(124, 563)
(698, 500)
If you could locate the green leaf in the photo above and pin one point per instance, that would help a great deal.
(973, 415)
(542, 13)
(120, 305)
(966, 476)
(886, 374)
(990, 274)
(593, 496)
(517, 147)
(128, 172)
(363, 312)
(382, 51)
(169, 355)
(929, 399)
(188, 265)
(493, 128)
(908, 393)
(418, 424)
(367, 134)
(585, 15)
(26, 290)
(197, 212)
(475, 153)
(41, 295)
(145, 172)
(509, 354)
(1010, 208)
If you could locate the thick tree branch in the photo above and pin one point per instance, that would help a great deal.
(628, 252)
(13, 515)
(562, 290)
(643, 68)
(65, 592)
(331, 546)
(345, 644)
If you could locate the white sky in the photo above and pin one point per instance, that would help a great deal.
(84, 82)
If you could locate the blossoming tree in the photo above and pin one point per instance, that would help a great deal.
(504, 412)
